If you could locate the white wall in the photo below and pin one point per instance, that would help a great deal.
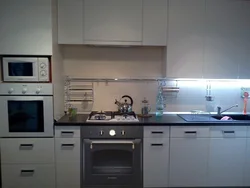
(103, 62)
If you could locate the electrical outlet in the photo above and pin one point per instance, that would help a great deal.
(244, 89)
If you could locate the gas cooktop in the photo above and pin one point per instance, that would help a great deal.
(109, 116)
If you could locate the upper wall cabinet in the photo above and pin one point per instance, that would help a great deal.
(225, 39)
(70, 21)
(185, 38)
(26, 27)
(113, 22)
(209, 39)
(155, 22)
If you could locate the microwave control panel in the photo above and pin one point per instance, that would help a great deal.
(43, 69)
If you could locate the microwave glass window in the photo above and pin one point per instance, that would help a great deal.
(26, 116)
(20, 68)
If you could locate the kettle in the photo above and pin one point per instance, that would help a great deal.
(125, 107)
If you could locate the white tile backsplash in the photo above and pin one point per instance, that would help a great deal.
(145, 62)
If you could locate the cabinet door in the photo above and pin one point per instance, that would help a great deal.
(185, 38)
(155, 22)
(70, 21)
(26, 27)
(113, 21)
(68, 175)
(188, 162)
(226, 161)
(225, 43)
(244, 67)
(247, 165)
(156, 162)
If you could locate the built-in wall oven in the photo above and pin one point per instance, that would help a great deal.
(26, 110)
(112, 156)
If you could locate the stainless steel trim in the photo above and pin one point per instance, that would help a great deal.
(112, 142)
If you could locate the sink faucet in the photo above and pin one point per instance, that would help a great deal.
(219, 112)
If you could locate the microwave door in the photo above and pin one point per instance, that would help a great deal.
(20, 69)
(30, 116)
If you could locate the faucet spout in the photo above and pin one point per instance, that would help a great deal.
(219, 112)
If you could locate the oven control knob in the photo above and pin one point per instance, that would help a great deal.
(43, 73)
(38, 90)
(101, 132)
(10, 90)
(42, 65)
(112, 132)
(123, 133)
(24, 90)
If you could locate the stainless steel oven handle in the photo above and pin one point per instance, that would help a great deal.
(114, 142)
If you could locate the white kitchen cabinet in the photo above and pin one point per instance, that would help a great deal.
(155, 162)
(113, 22)
(244, 67)
(226, 157)
(189, 147)
(67, 152)
(28, 175)
(155, 22)
(70, 21)
(185, 44)
(27, 150)
(26, 27)
(247, 165)
(225, 39)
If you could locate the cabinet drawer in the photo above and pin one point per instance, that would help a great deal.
(228, 131)
(68, 132)
(189, 132)
(28, 175)
(156, 132)
(67, 149)
(27, 150)
(68, 174)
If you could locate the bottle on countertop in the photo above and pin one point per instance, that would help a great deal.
(159, 103)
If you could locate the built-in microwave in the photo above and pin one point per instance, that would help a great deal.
(26, 69)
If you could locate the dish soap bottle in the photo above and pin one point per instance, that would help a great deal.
(159, 103)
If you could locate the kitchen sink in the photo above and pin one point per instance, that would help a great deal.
(234, 117)
(213, 118)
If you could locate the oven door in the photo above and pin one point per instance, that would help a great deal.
(20, 69)
(26, 116)
(113, 163)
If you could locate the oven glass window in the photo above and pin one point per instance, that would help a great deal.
(112, 162)
(26, 116)
(20, 68)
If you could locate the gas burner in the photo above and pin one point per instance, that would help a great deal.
(127, 114)
(109, 116)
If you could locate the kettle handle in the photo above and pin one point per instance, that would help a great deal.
(131, 100)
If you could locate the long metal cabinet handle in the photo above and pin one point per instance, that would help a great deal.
(112, 142)
(27, 172)
(26, 146)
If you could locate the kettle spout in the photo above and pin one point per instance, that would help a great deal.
(117, 103)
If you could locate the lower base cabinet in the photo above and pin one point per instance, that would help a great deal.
(156, 162)
(247, 166)
(226, 162)
(28, 175)
(68, 175)
(188, 162)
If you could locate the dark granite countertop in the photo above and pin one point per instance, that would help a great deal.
(165, 120)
